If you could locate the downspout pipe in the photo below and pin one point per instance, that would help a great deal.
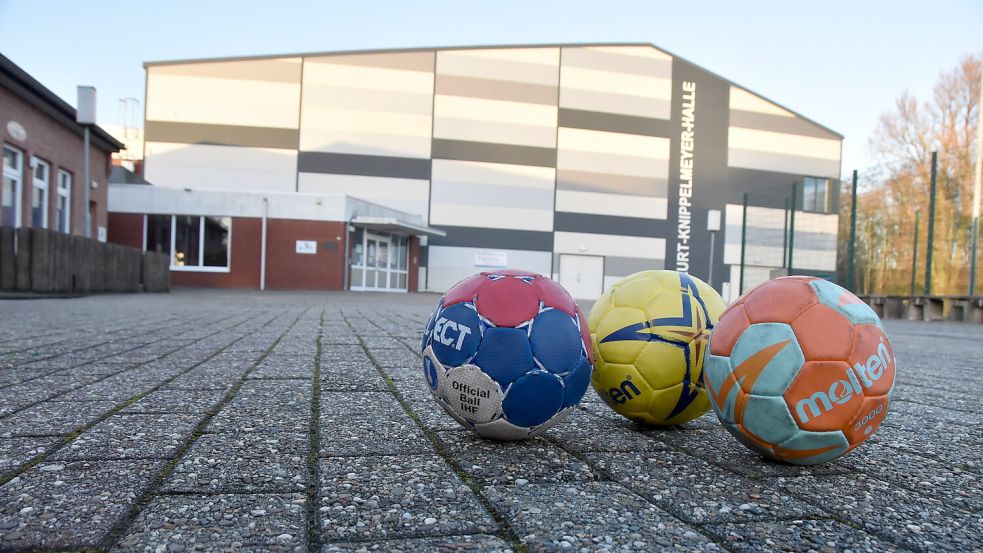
(262, 252)
(346, 268)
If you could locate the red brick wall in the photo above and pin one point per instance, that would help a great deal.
(247, 235)
(414, 264)
(62, 148)
(288, 270)
(125, 229)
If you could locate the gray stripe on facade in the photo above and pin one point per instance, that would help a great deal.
(363, 165)
(221, 135)
(612, 122)
(619, 63)
(494, 89)
(778, 123)
(610, 224)
(624, 266)
(406, 61)
(492, 153)
(285, 70)
(500, 239)
(469, 193)
(584, 181)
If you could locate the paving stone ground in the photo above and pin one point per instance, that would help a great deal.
(238, 421)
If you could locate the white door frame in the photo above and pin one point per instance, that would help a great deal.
(603, 266)
(385, 271)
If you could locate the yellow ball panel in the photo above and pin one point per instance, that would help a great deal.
(636, 292)
(622, 388)
(661, 365)
(622, 351)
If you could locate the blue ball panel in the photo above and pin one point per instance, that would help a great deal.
(556, 340)
(575, 383)
(427, 331)
(455, 335)
(533, 399)
(430, 371)
(505, 354)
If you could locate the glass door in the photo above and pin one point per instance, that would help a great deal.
(379, 262)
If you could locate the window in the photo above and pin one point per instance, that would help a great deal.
(158, 234)
(39, 194)
(63, 209)
(10, 193)
(195, 243)
(815, 195)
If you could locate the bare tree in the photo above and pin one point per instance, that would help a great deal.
(902, 145)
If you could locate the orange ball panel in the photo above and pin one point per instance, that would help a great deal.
(824, 396)
(733, 322)
(780, 300)
(873, 360)
(823, 334)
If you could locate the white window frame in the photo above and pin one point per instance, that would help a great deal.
(200, 268)
(64, 177)
(16, 174)
(45, 187)
(393, 240)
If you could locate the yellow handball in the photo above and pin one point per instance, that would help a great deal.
(649, 332)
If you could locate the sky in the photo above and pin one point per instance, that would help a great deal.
(839, 63)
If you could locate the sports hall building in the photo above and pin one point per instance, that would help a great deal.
(410, 169)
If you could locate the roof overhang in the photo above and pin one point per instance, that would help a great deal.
(391, 224)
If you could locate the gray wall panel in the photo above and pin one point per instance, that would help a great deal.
(610, 224)
(494, 239)
(624, 266)
(222, 135)
(372, 166)
(777, 123)
(493, 153)
(611, 122)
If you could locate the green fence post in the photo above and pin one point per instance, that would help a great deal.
(931, 228)
(740, 289)
(791, 229)
(851, 271)
(914, 257)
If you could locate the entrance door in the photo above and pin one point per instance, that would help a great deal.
(582, 275)
(379, 263)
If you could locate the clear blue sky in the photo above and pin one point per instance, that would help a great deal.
(841, 63)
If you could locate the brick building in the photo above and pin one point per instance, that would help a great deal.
(43, 163)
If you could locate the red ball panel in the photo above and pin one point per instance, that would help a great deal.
(507, 301)
(554, 295)
(464, 290)
(511, 272)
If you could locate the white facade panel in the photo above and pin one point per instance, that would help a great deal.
(220, 167)
(448, 265)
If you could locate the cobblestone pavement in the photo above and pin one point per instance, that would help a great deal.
(300, 422)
